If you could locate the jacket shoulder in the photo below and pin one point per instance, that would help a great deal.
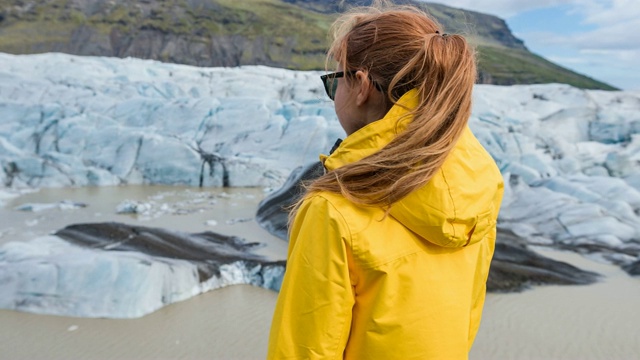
(460, 204)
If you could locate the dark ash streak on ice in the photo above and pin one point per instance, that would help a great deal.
(207, 250)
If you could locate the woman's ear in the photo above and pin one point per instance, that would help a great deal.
(365, 86)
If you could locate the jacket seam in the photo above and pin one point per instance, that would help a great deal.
(453, 206)
(402, 255)
(337, 355)
(343, 220)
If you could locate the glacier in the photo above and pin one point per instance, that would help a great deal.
(570, 157)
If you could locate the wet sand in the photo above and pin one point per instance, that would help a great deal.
(598, 321)
(229, 323)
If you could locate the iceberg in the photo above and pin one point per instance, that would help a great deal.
(62, 205)
(120, 271)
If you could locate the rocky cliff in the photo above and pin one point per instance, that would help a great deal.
(280, 33)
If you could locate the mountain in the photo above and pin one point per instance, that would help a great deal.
(281, 33)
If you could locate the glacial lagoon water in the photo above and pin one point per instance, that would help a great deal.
(227, 211)
(562, 322)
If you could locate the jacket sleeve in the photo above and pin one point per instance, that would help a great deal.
(312, 318)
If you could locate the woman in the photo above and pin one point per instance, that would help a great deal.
(390, 250)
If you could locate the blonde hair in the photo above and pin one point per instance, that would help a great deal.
(402, 48)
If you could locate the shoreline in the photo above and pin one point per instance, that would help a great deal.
(227, 323)
(586, 322)
(547, 322)
(560, 322)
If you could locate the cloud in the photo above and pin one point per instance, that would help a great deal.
(600, 58)
(620, 36)
(607, 12)
(607, 48)
(600, 53)
(597, 12)
(617, 24)
(613, 67)
(615, 37)
(629, 57)
(505, 8)
(610, 38)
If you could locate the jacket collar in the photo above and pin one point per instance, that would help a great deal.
(374, 136)
(458, 206)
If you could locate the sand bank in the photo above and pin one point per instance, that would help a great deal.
(229, 323)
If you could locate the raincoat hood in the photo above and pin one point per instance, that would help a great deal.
(458, 206)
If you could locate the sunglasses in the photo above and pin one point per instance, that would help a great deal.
(330, 82)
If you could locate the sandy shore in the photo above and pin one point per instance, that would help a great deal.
(230, 323)
(572, 322)
(598, 321)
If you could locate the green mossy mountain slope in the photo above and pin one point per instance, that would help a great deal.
(282, 33)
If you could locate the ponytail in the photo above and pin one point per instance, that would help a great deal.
(402, 48)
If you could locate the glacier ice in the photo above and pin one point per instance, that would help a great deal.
(570, 157)
(49, 275)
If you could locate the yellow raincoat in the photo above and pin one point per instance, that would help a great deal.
(411, 285)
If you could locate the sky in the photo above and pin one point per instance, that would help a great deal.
(597, 38)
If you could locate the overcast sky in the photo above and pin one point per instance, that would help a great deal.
(598, 38)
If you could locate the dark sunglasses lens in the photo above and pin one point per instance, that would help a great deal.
(325, 82)
(330, 85)
(333, 87)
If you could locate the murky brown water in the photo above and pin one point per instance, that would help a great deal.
(598, 321)
(227, 211)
